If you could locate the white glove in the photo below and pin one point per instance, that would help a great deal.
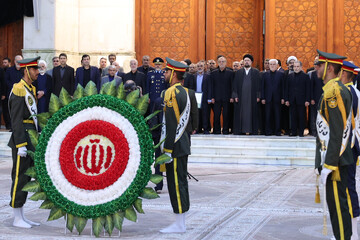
(324, 174)
(22, 151)
(169, 154)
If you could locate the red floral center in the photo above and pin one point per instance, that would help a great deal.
(94, 155)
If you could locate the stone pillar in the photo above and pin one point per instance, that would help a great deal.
(78, 27)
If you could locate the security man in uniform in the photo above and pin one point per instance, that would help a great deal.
(347, 77)
(155, 82)
(22, 105)
(333, 151)
(177, 108)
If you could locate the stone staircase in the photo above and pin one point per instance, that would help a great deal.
(5, 151)
(229, 149)
(262, 150)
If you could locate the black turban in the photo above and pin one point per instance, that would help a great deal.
(248, 56)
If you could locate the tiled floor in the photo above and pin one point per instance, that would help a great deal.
(228, 202)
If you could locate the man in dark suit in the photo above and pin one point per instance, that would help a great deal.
(221, 84)
(12, 75)
(298, 98)
(285, 112)
(63, 76)
(145, 68)
(316, 90)
(2, 88)
(87, 73)
(201, 85)
(138, 77)
(246, 93)
(272, 96)
(189, 80)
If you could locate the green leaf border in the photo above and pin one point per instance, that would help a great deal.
(143, 173)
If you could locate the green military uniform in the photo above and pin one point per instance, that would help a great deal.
(175, 99)
(21, 96)
(334, 109)
(177, 108)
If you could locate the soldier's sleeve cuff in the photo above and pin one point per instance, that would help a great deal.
(168, 150)
(21, 145)
(331, 167)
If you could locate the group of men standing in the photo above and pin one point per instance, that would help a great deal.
(271, 102)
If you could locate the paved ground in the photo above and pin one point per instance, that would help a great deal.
(228, 202)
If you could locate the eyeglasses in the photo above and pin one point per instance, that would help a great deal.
(56, 61)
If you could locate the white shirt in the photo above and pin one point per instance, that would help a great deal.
(199, 80)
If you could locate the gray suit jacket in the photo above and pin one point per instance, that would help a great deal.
(106, 79)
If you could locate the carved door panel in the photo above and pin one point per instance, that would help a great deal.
(169, 29)
(11, 40)
(199, 29)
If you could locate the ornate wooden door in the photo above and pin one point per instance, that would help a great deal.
(199, 29)
(11, 40)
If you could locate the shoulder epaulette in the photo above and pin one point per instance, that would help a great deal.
(19, 89)
(169, 94)
(331, 90)
(151, 71)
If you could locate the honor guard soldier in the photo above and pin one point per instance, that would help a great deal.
(177, 144)
(22, 105)
(333, 151)
(155, 82)
(347, 78)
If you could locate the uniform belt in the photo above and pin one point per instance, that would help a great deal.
(28, 121)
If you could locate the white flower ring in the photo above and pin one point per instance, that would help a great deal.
(93, 156)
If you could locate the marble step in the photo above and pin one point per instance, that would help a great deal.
(245, 141)
(253, 151)
(256, 160)
(264, 150)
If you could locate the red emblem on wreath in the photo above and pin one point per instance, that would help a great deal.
(94, 155)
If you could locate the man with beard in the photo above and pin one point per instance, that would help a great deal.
(246, 93)
(272, 97)
(145, 68)
(212, 65)
(177, 145)
(297, 96)
(138, 77)
(236, 66)
(285, 113)
(202, 86)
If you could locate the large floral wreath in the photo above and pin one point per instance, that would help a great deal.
(93, 157)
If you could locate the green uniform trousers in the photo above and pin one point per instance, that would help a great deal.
(176, 177)
(19, 179)
(336, 198)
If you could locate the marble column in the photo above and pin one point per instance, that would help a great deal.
(78, 27)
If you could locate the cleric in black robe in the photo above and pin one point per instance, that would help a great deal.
(246, 92)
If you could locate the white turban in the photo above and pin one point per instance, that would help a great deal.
(42, 61)
(291, 58)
